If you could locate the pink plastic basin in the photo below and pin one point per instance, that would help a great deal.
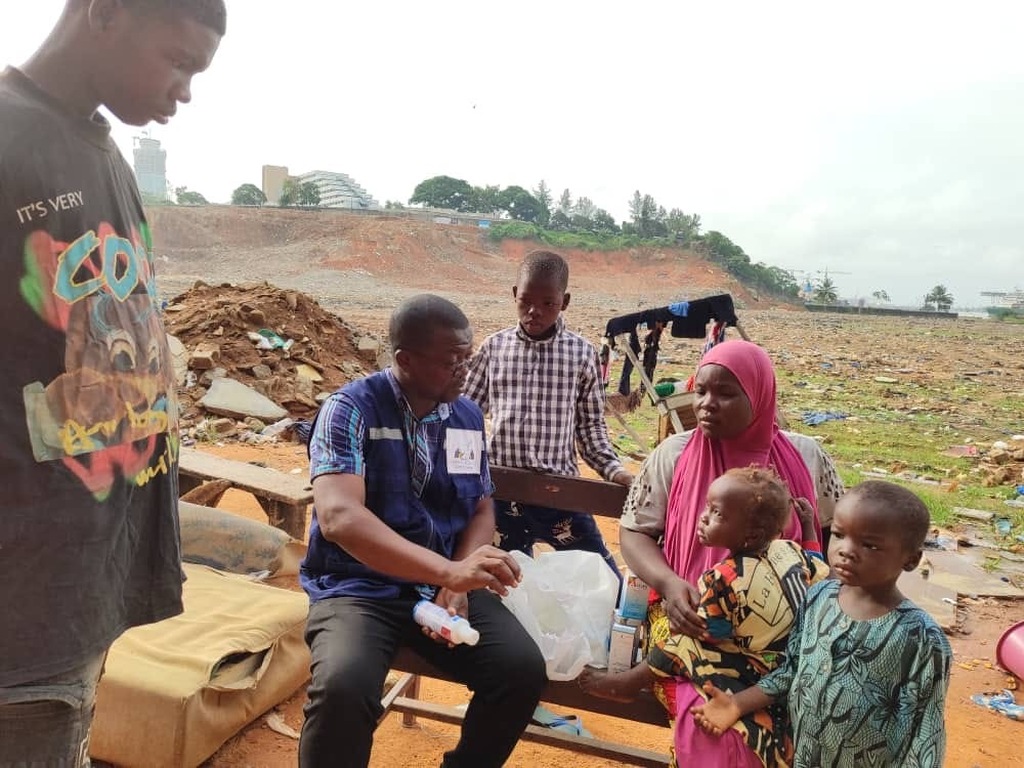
(1010, 649)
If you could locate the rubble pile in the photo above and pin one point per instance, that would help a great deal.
(258, 354)
(1003, 462)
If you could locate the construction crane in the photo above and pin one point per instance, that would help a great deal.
(809, 279)
(809, 273)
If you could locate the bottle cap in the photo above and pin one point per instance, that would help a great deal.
(467, 634)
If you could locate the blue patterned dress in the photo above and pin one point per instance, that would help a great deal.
(864, 693)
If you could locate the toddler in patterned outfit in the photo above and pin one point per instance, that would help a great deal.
(748, 602)
(866, 670)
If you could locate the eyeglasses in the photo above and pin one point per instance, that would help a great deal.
(454, 367)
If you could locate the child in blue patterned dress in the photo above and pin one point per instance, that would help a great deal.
(866, 672)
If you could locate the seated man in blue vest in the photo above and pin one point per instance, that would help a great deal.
(402, 511)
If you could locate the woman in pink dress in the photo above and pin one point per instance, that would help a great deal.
(736, 427)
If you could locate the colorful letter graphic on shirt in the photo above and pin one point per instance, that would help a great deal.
(103, 416)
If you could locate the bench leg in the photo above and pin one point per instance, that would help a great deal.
(208, 494)
(290, 518)
(187, 483)
(412, 691)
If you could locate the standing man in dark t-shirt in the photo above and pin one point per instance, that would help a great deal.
(89, 542)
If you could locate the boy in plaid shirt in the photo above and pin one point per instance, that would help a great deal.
(541, 384)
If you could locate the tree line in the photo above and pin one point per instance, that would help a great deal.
(579, 222)
(546, 219)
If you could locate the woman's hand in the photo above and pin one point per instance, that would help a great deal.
(680, 599)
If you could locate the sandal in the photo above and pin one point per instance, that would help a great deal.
(1002, 703)
(568, 724)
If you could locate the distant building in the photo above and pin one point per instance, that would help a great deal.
(337, 190)
(150, 168)
(1005, 299)
(274, 177)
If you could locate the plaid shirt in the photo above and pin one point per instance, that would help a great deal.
(544, 397)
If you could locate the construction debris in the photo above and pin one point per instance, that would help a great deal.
(277, 344)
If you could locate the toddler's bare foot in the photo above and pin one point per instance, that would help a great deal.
(605, 685)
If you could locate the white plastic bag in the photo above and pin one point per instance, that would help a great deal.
(565, 602)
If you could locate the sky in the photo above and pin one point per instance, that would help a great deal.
(882, 142)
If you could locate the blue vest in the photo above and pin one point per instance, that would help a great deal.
(434, 520)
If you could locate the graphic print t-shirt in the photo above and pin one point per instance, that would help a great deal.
(89, 542)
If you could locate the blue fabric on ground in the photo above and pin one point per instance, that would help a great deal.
(813, 418)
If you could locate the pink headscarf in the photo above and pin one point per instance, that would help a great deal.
(704, 459)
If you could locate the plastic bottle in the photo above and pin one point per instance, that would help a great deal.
(454, 629)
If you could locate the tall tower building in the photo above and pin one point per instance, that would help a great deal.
(151, 168)
(274, 177)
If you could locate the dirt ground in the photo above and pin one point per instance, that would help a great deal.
(969, 374)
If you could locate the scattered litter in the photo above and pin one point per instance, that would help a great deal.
(278, 428)
(945, 543)
(1004, 526)
(813, 418)
(973, 514)
(267, 339)
(569, 724)
(910, 477)
(277, 724)
(886, 380)
(1003, 703)
(961, 451)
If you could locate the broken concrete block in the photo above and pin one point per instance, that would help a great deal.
(223, 427)
(303, 388)
(228, 397)
(179, 359)
(251, 314)
(262, 371)
(368, 348)
(214, 373)
(205, 356)
(308, 372)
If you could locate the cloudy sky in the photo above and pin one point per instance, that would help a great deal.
(881, 141)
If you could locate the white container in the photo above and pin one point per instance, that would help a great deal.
(635, 592)
(622, 652)
(454, 629)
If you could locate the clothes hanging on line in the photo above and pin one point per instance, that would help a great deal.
(687, 319)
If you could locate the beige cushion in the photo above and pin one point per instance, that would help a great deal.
(174, 692)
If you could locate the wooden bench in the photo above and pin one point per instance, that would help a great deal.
(572, 494)
(283, 497)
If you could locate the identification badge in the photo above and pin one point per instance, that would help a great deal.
(463, 448)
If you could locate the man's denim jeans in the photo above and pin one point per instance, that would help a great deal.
(46, 723)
